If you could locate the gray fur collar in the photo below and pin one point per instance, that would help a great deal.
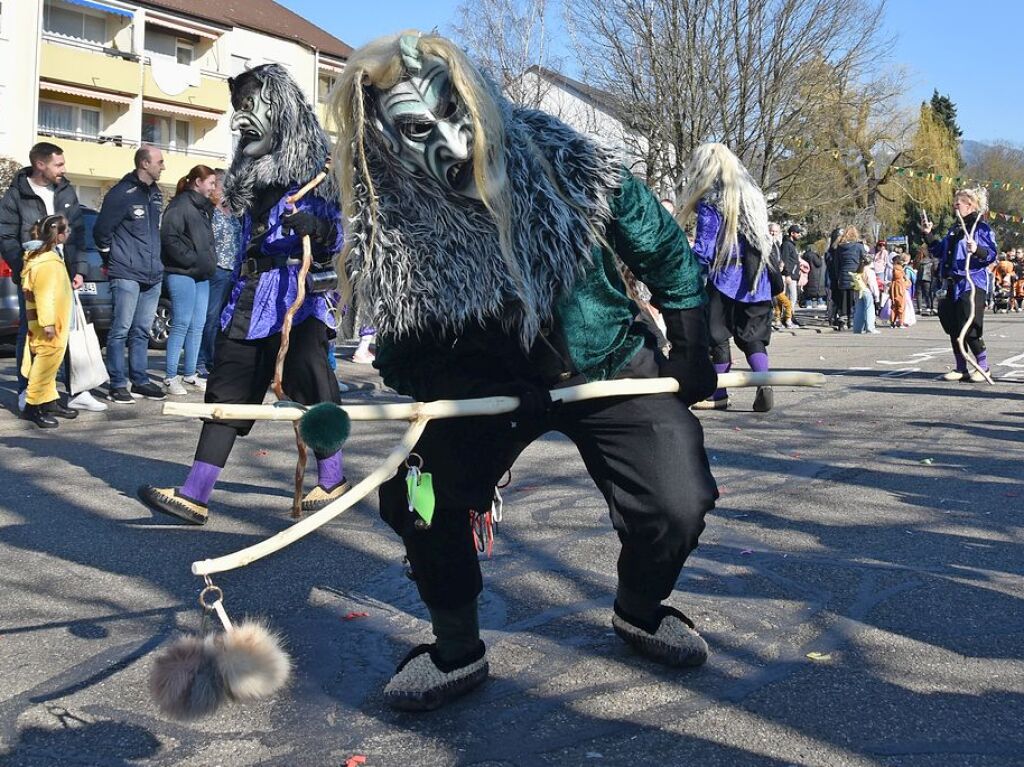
(437, 264)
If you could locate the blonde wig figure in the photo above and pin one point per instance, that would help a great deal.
(458, 206)
(380, 64)
(717, 175)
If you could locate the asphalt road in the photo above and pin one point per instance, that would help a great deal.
(875, 523)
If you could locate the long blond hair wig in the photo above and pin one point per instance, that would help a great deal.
(379, 65)
(716, 172)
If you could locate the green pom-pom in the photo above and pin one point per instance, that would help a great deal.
(325, 427)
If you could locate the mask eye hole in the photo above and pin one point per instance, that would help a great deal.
(417, 130)
(449, 110)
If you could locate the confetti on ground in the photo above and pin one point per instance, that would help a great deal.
(927, 461)
(746, 552)
(355, 761)
(819, 656)
(355, 616)
(260, 453)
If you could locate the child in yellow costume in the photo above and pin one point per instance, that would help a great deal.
(47, 290)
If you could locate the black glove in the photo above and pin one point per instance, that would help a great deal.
(306, 224)
(689, 362)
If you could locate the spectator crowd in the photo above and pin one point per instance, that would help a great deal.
(187, 251)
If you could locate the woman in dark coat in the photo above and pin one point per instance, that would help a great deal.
(845, 263)
(187, 251)
(814, 290)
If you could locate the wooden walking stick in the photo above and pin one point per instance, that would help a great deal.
(971, 312)
(419, 414)
(286, 332)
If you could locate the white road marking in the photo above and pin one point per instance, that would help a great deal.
(927, 354)
(899, 373)
(1012, 362)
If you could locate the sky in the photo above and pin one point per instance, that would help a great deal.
(985, 81)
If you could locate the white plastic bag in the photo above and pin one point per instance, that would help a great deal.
(87, 367)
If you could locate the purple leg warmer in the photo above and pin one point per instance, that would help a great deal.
(758, 362)
(721, 367)
(199, 484)
(329, 471)
(983, 360)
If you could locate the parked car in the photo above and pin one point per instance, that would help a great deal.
(8, 304)
(94, 293)
(97, 301)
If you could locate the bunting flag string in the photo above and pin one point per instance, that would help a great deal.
(961, 181)
(1009, 186)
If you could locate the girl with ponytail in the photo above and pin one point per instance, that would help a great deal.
(47, 289)
(733, 244)
(188, 253)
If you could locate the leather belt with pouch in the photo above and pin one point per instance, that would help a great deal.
(251, 266)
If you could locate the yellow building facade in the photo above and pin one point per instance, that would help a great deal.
(100, 79)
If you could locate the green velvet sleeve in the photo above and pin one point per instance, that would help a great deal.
(650, 242)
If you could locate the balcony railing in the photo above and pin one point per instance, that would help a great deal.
(89, 45)
(99, 138)
(189, 151)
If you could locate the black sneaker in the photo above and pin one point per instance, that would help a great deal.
(120, 396)
(55, 408)
(149, 390)
(37, 415)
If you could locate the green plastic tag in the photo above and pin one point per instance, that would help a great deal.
(420, 487)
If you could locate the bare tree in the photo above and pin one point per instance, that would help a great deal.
(728, 70)
(509, 37)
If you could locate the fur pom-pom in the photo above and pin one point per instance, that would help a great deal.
(325, 427)
(251, 662)
(185, 681)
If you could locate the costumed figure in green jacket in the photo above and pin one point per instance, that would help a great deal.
(486, 239)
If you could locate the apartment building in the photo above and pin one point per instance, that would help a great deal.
(99, 77)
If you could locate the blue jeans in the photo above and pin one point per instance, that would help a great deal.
(134, 308)
(220, 286)
(864, 314)
(188, 315)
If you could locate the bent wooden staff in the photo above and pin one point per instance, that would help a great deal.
(419, 414)
(286, 334)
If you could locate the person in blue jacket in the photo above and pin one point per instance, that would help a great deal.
(964, 255)
(127, 234)
(733, 245)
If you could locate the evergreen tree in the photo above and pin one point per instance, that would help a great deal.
(945, 112)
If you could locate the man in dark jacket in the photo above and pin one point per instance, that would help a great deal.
(38, 191)
(791, 261)
(127, 234)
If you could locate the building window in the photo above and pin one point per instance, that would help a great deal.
(161, 43)
(324, 85)
(68, 120)
(75, 22)
(166, 132)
